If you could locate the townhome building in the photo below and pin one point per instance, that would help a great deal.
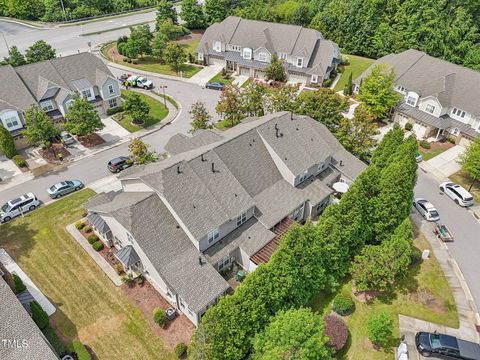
(247, 46)
(52, 85)
(439, 98)
(219, 200)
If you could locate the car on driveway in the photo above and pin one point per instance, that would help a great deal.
(66, 138)
(457, 193)
(215, 85)
(426, 209)
(16, 207)
(418, 157)
(120, 163)
(64, 188)
(446, 347)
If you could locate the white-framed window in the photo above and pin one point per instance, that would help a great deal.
(112, 103)
(262, 57)
(314, 79)
(200, 56)
(237, 48)
(213, 235)
(87, 93)
(321, 167)
(68, 103)
(458, 112)
(411, 101)
(282, 56)
(430, 108)
(300, 62)
(303, 177)
(47, 105)
(111, 89)
(130, 238)
(455, 131)
(11, 120)
(223, 263)
(247, 53)
(241, 219)
(217, 46)
(401, 88)
(298, 213)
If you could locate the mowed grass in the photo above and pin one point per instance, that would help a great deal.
(357, 65)
(431, 154)
(220, 79)
(425, 280)
(462, 178)
(157, 113)
(89, 306)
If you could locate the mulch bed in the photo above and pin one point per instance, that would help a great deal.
(195, 34)
(91, 140)
(444, 145)
(51, 155)
(147, 298)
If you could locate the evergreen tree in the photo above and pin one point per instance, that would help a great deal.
(192, 14)
(39, 315)
(216, 10)
(348, 90)
(39, 51)
(39, 128)
(82, 119)
(166, 11)
(7, 143)
(275, 70)
(15, 57)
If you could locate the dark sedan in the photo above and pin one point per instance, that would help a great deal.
(444, 346)
(215, 85)
(120, 163)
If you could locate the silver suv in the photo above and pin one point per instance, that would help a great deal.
(19, 206)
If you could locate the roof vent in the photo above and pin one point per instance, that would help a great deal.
(178, 170)
(194, 206)
(250, 144)
(203, 159)
(291, 115)
(213, 167)
(297, 128)
(341, 162)
(200, 260)
(236, 195)
(311, 139)
(277, 132)
(178, 226)
(276, 126)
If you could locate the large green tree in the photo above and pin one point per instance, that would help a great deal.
(39, 51)
(275, 70)
(216, 10)
(293, 334)
(39, 128)
(231, 104)
(136, 108)
(192, 14)
(174, 56)
(470, 161)
(282, 98)
(82, 119)
(377, 93)
(7, 143)
(166, 11)
(388, 146)
(15, 57)
(253, 96)
(139, 41)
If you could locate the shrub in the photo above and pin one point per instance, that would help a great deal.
(127, 279)
(408, 126)
(159, 316)
(180, 350)
(135, 61)
(53, 339)
(81, 351)
(327, 82)
(18, 284)
(128, 60)
(79, 225)
(114, 110)
(19, 161)
(39, 315)
(122, 39)
(415, 256)
(343, 304)
(118, 268)
(337, 332)
(380, 328)
(451, 140)
(87, 229)
(121, 48)
(92, 239)
(98, 246)
(7, 144)
(425, 144)
(191, 60)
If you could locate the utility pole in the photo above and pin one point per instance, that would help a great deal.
(64, 13)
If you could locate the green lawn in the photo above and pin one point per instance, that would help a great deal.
(424, 281)
(431, 154)
(223, 125)
(357, 65)
(149, 63)
(157, 113)
(89, 306)
(219, 78)
(191, 45)
(465, 180)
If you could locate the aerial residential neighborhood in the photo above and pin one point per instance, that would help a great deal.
(239, 180)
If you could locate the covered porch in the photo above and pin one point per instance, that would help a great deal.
(130, 261)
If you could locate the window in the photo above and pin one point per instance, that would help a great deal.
(298, 213)
(411, 100)
(430, 108)
(262, 57)
(47, 105)
(223, 263)
(458, 112)
(234, 48)
(299, 62)
(314, 79)
(303, 176)
(455, 131)
(213, 235)
(241, 219)
(112, 103)
(401, 88)
(200, 56)
(282, 56)
(11, 121)
(247, 53)
(111, 89)
(321, 167)
(87, 93)
(217, 46)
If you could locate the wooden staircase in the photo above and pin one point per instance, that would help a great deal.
(263, 255)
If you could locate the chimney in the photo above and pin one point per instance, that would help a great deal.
(341, 162)
(213, 167)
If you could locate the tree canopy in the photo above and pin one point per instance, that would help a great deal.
(136, 107)
(174, 55)
(470, 160)
(200, 116)
(82, 119)
(39, 128)
(275, 70)
(193, 15)
(39, 51)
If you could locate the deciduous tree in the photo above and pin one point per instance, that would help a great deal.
(282, 98)
(192, 14)
(139, 152)
(159, 44)
(166, 11)
(15, 57)
(387, 147)
(136, 108)
(82, 119)
(231, 104)
(39, 51)
(253, 96)
(216, 10)
(39, 128)
(200, 116)
(275, 70)
(470, 161)
(139, 41)
(380, 328)
(170, 30)
(174, 55)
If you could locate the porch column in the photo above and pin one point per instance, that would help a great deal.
(438, 134)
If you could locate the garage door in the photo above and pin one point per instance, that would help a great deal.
(297, 79)
(419, 130)
(214, 61)
(245, 71)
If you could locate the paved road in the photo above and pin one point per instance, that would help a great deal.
(68, 40)
(465, 228)
(93, 168)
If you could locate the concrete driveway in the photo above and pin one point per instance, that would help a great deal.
(446, 163)
(204, 75)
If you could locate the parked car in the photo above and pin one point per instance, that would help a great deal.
(120, 163)
(426, 209)
(457, 193)
(418, 157)
(446, 347)
(215, 85)
(64, 188)
(138, 81)
(16, 207)
(66, 138)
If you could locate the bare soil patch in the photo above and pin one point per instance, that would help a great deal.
(54, 154)
(194, 35)
(425, 297)
(91, 140)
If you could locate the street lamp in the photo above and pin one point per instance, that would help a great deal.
(164, 96)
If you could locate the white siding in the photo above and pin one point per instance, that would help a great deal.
(430, 101)
(467, 119)
(265, 53)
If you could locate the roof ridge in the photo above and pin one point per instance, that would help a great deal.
(236, 27)
(296, 39)
(414, 63)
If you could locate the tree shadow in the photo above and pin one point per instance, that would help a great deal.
(17, 238)
(343, 353)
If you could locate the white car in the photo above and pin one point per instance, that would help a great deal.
(140, 82)
(457, 193)
(426, 209)
(18, 206)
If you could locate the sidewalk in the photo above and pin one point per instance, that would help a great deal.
(101, 262)
(466, 308)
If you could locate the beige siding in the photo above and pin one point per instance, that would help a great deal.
(424, 102)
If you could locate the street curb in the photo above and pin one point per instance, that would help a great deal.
(32, 26)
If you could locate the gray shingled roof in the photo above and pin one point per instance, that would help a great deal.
(180, 143)
(98, 222)
(127, 256)
(352, 166)
(16, 323)
(452, 84)
(13, 92)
